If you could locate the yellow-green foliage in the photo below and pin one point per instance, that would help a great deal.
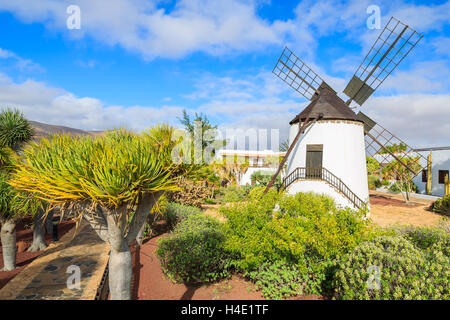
(112, 169)
(15, 204)
(194, 252)
(374, 182)
(6, 195)
(442, 205)
(305, 227)
(14, 128)
(407, 269)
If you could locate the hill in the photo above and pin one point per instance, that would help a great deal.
(44, 130)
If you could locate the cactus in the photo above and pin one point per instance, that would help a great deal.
(446, 185)
(429, 163)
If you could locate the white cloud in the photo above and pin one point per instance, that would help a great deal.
(43, 103)
(428, 76)
(421, 120)
(442, 45)
(217, 27)
(23, 65)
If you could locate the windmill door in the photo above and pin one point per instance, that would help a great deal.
(314, 154)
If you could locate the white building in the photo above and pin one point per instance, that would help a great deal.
(258, 161)
(330, 156)
(440, 166)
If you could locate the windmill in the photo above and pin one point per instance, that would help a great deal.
(352, 131)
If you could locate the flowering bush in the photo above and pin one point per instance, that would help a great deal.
(393, 268)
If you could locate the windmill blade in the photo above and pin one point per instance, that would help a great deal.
(298, 75)
(303, 127)
(392, 46)
(385, 147)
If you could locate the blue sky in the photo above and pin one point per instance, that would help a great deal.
(134, 63)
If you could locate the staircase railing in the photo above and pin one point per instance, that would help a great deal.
(324, 174)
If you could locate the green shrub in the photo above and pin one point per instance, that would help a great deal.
(190, 193)
(263, 178)
(209, 201)
(235, 194)
(304, 230)
(442, 205)
(425, 238)
(176, 213)
(279, 280)
(405, 271)
(194, 252)
(396, 188)
(374, 182)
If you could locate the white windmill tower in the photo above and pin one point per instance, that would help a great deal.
(328, 141)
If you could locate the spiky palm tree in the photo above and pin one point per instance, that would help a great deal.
(229, 170)
(15, 131)
(284, 146)
(105, 179)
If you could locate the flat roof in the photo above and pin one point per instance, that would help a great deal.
(432, 149)
(256, 153)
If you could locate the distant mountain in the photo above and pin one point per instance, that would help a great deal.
(44, 130)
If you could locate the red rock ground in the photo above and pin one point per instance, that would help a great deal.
(150, 282)
(382, 200)
(24, 238)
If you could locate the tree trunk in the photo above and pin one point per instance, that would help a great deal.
(407, 195)
(140, 236)
(111, 226)
(49, 222)
(120, 269)
(120, 272)
(8, 236)
(38, 234)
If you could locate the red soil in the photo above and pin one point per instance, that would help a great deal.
(150, 282)
(386, 201)
(24, 238)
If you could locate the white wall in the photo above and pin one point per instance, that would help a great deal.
(320, 187)
(440, 161)
(343, 152)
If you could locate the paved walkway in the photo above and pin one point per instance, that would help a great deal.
(46, 277)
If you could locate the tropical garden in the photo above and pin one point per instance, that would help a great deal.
(123, 182)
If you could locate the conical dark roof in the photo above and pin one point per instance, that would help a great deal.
(328, 106)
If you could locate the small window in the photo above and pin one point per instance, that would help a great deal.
(424, 175)
(442, 174)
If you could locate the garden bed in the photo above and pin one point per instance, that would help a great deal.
(387, 201)
(150, 282)
(389, 209)
(24, 238)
